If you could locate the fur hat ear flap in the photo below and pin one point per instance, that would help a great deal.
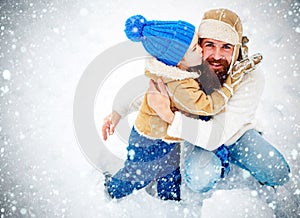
(245, 40)
(244, 48)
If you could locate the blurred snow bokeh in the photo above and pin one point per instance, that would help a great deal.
(46, 46)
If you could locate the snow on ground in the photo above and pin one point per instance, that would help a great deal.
(45, 48)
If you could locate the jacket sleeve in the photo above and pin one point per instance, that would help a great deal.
(227, 127)
(188, 97)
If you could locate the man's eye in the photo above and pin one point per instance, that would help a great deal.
(209, 45)
(227, 47)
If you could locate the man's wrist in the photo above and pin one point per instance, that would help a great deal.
(168, 116)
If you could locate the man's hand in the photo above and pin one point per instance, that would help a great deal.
(158, 100)
(109, 124)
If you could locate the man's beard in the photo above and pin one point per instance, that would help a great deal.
(210, 79)
(222, 74)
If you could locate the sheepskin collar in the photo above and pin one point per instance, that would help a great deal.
(160, 69)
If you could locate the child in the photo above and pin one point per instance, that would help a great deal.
(152, 154)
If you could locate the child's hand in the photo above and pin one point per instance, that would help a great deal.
(109, 124)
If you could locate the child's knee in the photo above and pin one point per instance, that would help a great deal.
(168, 187)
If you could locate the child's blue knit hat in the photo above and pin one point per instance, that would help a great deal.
(168, 41)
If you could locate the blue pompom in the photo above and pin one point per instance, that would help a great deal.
(134, 27)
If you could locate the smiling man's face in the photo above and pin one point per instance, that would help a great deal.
(218, 54)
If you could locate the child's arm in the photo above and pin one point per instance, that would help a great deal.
(187, 97)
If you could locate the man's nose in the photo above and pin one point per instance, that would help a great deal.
(218, 53)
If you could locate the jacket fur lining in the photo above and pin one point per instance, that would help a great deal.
(160, 69)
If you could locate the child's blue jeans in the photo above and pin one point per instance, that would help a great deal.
(203, 169)
(148, 160)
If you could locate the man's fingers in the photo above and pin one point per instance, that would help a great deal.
(162, 87)
(158, 88)
(152, 88)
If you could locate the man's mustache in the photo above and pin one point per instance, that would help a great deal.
(222, 62)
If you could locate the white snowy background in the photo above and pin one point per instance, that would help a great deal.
(45, 48)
